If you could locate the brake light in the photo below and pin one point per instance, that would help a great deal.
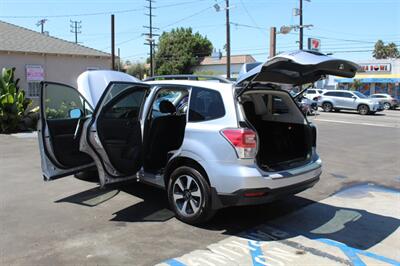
(244, 140)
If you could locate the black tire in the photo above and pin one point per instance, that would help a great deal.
(387, 106)
(204, 211)
(327, 107)
(363, 109)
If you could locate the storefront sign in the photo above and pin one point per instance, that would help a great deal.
(384, 67)
(34, 73)
(314, 44)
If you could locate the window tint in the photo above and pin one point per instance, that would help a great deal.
(279, 106)
(347, 94)
(205, 105)
(331, 93)
(310, 91)
(320, 91)
(360, 95)
(60, 99)
(126, 107)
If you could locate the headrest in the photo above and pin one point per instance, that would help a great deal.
(167, 107)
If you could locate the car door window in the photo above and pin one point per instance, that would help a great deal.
(205, 104)
(177, 96)
(59, 100)
(347, 94)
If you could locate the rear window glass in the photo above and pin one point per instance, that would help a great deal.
(279, 106)
(311, 91)
(205, 105)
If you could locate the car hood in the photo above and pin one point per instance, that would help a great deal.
(297, 68)
(92, 84)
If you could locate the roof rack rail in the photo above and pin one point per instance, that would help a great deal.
(189, 77)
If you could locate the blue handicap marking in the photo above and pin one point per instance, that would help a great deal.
(352, 253)
(174, 262)
(256, 253)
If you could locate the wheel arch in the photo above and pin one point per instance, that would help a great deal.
(183, 161)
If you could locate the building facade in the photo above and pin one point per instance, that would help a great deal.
(376, 76)
(37, 57)
(217, 66)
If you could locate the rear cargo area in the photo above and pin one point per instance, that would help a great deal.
(284, 137)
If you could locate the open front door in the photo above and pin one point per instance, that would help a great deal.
(63, 112)
(114, 136)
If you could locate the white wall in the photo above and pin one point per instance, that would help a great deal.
(62, 69)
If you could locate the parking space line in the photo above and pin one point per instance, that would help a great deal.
(357, 123)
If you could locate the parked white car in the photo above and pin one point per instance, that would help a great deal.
(336, 100)
(388, 101)
(313, 94)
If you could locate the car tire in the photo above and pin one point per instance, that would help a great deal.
(327, 107)
(363, 109)
(387, 106)
(191, 203)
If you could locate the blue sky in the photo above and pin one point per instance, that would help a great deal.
(349, 28)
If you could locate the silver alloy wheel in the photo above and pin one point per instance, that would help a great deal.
(386, 106)
(327, 107)
(363, 109)
(187, 195)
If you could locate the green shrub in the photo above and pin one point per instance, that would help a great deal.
(13, 104)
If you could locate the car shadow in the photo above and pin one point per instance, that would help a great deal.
(294, 215)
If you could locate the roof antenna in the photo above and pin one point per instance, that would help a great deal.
(41, 24)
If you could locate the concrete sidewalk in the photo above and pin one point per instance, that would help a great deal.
(357, 226)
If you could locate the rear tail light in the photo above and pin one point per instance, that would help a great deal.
(244, 140)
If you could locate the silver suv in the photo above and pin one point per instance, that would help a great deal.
(349, 100)
(208, 144)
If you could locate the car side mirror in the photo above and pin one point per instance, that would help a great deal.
(354, 97)
(75, 113)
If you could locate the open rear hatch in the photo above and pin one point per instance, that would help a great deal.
(296, 68)
(285, 138)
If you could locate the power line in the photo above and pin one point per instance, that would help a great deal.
(101, 13)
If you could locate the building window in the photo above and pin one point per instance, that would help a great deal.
(33, 89)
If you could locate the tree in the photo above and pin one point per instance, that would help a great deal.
(180, 50)
(137, 70)
(382, 51)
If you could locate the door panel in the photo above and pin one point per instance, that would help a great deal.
(115, 134)
(59, 136)
(65, 145)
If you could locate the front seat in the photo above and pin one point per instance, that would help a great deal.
(165, 134)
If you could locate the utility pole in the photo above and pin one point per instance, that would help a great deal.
(75, 28)
(150, 35)
(112, 42)
(41, 24)
(272, 42)
(228, 42)
(301, 25)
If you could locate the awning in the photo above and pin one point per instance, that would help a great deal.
(383, 78)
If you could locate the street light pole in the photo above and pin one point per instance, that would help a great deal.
(228, 43)
(301, 25)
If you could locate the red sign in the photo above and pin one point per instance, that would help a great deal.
(314, 44)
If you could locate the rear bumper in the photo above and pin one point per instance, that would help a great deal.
(240, 198)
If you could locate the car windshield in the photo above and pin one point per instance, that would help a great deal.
(360, 95)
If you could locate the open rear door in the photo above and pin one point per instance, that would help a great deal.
(63, 112)
(114, 135)
(297, 68)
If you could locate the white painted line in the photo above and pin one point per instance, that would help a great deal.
(357, 123)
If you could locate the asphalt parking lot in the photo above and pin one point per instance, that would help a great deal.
(350, 217)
